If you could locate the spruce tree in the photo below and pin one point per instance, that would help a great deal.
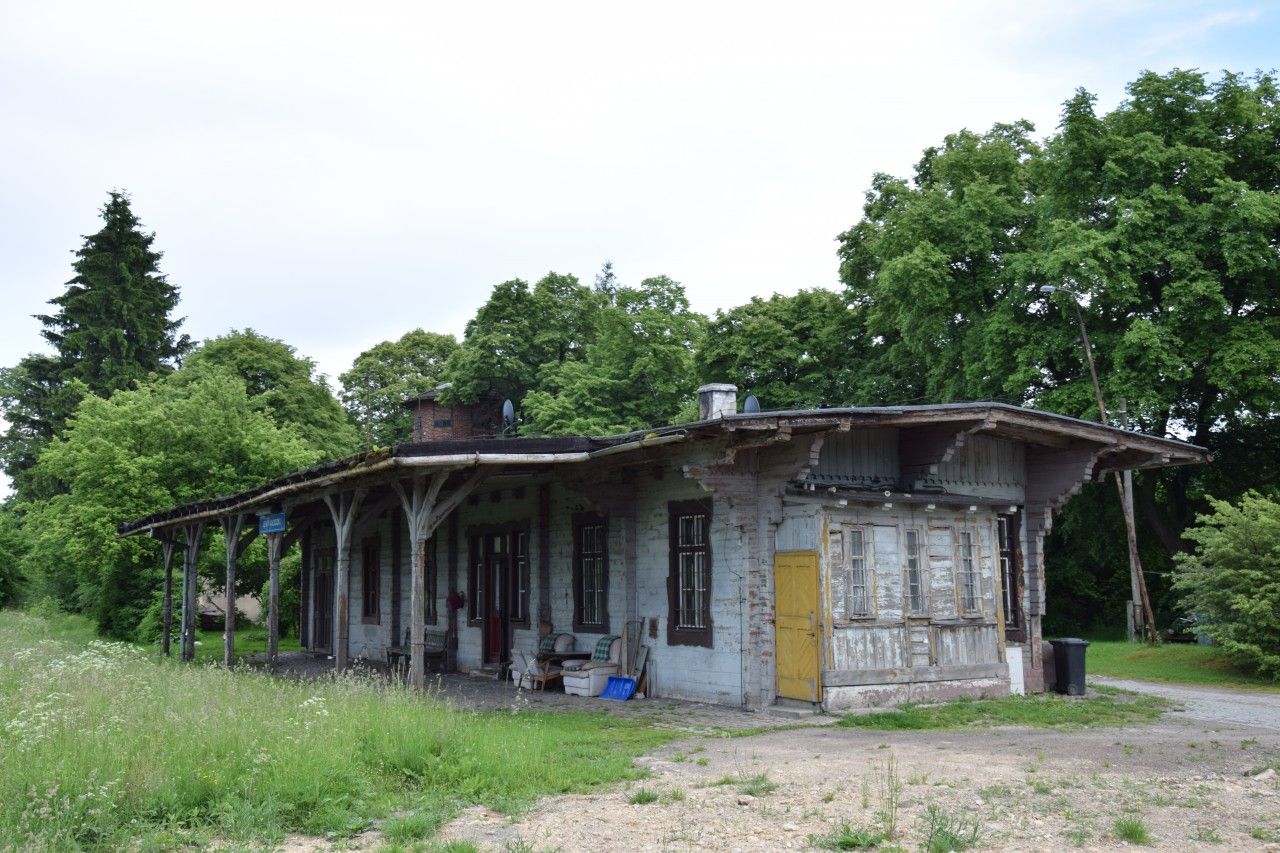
(112, 328)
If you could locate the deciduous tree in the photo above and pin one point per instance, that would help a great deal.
(383, 377)
(165, 443)
(1163, 216)
(282, 384)
(638, 372)
(519, 332)
(799, 351)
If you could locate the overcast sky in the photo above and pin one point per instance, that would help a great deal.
(337, 174)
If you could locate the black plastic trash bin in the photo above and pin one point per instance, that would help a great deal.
(1068, 662)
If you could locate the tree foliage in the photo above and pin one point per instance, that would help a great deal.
(519, 332)
(384, 376)
(177, 439)
(638, 372)
(934, 264)
(112, 328)
(1231, 581)
(1161, 215)
(283, 385)
(11, 551)
(799, 351)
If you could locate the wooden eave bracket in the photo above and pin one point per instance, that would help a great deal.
(785, 464)
(922, 449)
(725, 461)
(1054, 476)
(1125, 457)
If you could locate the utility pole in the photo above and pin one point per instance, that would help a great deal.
(1137, 581)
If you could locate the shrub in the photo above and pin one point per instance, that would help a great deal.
(1231, 582)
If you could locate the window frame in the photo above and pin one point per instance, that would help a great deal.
(965, 532)
(1009, 532)
(676, 635)
(922, 571)
(518, 550)
(581, 522)
(515, 544)
(845, 567)
(431, 581)
(371, 570)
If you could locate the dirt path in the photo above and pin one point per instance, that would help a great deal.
(1189, 781)
(1212, 704)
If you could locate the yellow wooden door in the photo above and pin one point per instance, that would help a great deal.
(796, 621)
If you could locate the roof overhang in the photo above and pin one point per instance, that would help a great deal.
(1118, 449)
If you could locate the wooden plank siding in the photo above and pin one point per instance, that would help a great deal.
(893, 646)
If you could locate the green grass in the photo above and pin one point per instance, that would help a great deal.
(945, 833)
(1110, 708)
(846, 836)
(643, 797)
(106, 747)
(759, 785)
(249, 641)
(1179, 663)
(1131, 829)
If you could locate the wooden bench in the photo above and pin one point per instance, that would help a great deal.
(435, 652)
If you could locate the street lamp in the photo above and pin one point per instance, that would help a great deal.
(1137, 580)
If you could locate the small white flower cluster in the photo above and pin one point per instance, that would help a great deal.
(315, 710)
(98, 658)
(39, 721)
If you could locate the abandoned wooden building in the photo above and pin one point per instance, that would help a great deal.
(847, 557)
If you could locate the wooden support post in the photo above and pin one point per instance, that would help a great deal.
(424, 513)
(275, 544)
(166, 622)
(191, 559)
(397, 577)
(231, 527)
(343, 506)
(417, 503)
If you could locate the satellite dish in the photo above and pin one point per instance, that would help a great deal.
(508, 414)
(751, 406)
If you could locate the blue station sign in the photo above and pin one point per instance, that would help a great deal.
(271, 523)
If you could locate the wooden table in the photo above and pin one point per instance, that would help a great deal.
(550, 667)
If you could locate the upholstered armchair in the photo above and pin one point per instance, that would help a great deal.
(535, 669)
(588, 678)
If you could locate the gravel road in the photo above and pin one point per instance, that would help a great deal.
(1195, 779)
(1212, 704)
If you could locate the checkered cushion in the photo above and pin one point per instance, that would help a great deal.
(548, 644)
(602, 647)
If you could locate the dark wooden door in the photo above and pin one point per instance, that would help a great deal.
(497, 617)
(322, 639)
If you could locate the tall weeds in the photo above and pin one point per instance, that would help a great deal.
(100, 746)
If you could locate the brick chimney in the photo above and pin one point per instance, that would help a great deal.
(717, 400)
(436, 421)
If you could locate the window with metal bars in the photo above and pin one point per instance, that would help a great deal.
(917, 600)
(430, 581)
(520, 577)
(967, 573)
(590, 574)
(370, 581)
(1007, 535)
(847, 550)
(689, 581)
